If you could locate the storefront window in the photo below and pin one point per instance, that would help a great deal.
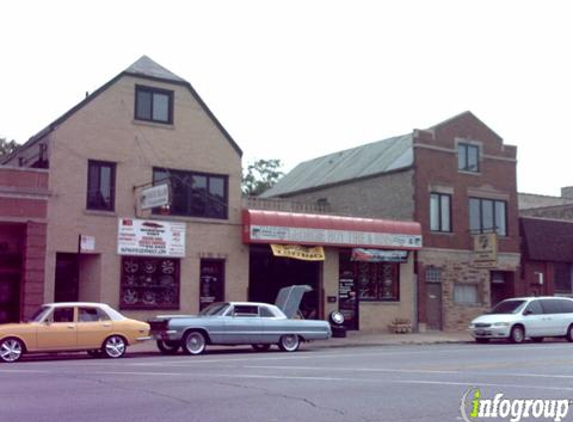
(212, 282)
(375, 281)
(149, 283)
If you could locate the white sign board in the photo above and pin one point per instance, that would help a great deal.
(150, 238)
(277, 234)
(87, 243)
(154, 196)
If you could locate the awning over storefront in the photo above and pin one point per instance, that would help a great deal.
(328, 230)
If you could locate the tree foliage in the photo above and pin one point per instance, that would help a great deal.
(261, 175)
(7, 147)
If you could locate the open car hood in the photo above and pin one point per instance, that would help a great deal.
(288, 299)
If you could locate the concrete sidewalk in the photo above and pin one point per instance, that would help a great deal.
(355, 339)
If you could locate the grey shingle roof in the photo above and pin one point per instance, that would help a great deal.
(147, 67)
(355, 163)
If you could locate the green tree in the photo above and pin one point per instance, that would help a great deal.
(261, 175)
(7, 147)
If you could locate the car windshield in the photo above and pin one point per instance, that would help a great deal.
(218, 308)
(508, 307)
(40, 314)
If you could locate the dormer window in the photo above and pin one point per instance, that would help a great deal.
(468, 157)
(153, 104)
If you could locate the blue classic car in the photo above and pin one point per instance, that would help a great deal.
(234, 323)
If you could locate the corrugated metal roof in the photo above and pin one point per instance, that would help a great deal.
(355, 163)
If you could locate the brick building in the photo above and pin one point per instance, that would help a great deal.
(146, 127)
(23, 203)
(458, 180)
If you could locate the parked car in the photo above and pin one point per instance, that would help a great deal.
(72, 327)
(234, 323)
(527, 317)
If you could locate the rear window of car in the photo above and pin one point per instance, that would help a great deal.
(567, 305)
(552, 306)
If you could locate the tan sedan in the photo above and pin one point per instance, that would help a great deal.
(74, 326)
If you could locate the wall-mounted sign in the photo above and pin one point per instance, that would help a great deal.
(154, 196)
(87, 243)
(334, 237)
(378, 255)
(485, 250)
(299, 252)
(150, 238)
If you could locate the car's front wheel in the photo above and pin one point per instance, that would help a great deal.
(11, 349)
(289, 343)
(261, 347)
(194, 343)
(114, 347)
(168, 347)
(517, 334)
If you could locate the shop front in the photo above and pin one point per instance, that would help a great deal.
(361, 267)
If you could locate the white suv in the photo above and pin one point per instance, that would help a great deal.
(519, 318)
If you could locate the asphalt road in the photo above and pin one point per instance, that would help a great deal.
(387, 383)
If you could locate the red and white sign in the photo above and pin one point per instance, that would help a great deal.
(150, 238)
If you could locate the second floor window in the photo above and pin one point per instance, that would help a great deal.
(196, 194)
(101, 186)
(153, 104)
(440, 212)
(468, 157)
(488, 216)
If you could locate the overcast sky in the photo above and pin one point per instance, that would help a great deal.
(299, 79)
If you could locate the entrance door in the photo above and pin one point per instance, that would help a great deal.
(434, 306)
(212, 287)
(67, 285)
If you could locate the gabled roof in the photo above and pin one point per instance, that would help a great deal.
(547, 240)
(148, 68)
(364, 161)
(144, 68)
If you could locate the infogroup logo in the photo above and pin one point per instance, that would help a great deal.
(474, 407)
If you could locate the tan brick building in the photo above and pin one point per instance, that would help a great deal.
(145, 127)
(458, 180)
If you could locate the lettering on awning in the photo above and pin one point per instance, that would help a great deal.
(315, 253)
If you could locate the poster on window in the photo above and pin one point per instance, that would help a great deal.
(150, 238)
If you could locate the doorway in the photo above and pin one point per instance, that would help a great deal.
(67, 283)
(434, 306)
(268, 274)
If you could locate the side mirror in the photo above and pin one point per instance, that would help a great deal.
(527, 312)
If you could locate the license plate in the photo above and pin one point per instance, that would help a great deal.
(481, 332)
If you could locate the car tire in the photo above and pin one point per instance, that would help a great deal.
(482, 340)
(517, 334)
(570, 333)
(289, 343)
(261, 347)
(537, 339)
(11, 350)
(168, 347)
(194, 343)
(114, 347)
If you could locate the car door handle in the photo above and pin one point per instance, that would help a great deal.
(107, 324)
(71, 326)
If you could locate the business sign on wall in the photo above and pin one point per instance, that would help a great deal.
(276, 234)
(150, 238)
(485, 250)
